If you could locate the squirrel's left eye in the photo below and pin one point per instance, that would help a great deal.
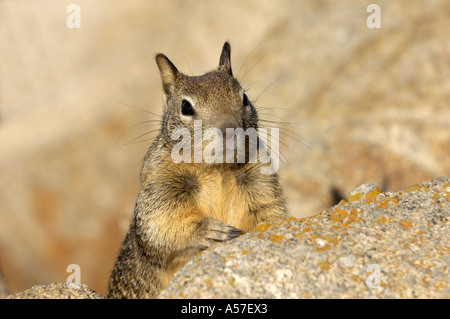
(245, 100)
(186, 108)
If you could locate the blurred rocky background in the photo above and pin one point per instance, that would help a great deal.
(79, 107)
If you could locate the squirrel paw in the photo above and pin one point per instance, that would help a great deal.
(212, 230)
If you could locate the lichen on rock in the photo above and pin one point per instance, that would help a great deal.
(375, 245)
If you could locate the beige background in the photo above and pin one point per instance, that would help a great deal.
(355, 105)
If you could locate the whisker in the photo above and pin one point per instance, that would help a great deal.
(134, 140)
(153, 122)
(293, 135)
(242, 80)
(192, 73)
(296, 137)
(146, 140)
(248, 87)
(271, 114)
(281, 127)
(271, 84)
(135, 127)
(259, 108)
(277, 149)
(245, 60)
(290, 149)
(135, 107)
(277, 122)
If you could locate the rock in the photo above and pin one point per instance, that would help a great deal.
(375, 245)
(57, 291)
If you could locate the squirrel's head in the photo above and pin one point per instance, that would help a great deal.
(216, 98)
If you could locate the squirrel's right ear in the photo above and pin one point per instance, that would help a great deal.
(168, 72)
(225, 59)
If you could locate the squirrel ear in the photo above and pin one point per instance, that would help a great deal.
(168, 72)
(225, 59)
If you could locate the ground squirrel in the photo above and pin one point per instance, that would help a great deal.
(183, 208)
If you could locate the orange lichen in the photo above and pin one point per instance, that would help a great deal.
(369, 197)
(354, 197)
(338, 215)
(324, 264)
(326, 242)
(306, 229)
(382, 220)
(262, 227)
(209, 283)
(440, 285)
(338, 227)
(383, 205)
(342, 217)
(405, 224)
(435, 197)
(353, 217)
(417, 187)
(275, 238)
(288, 219)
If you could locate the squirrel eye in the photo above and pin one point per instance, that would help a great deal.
(186, 108)
(245, 100)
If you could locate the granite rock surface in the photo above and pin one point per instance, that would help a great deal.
(375, 245)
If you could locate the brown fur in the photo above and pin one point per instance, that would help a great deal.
(184, 208)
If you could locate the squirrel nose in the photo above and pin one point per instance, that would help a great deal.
(227, 122)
